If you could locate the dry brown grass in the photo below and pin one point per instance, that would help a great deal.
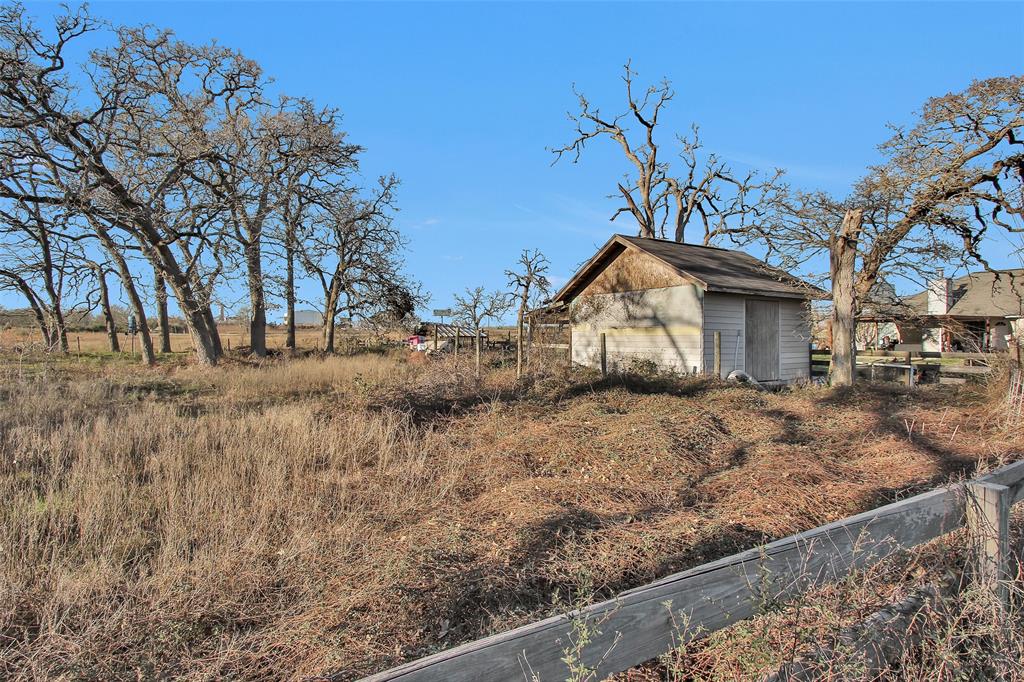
(233, 336)
(342, 515)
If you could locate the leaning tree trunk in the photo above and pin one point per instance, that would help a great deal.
(195, 311)
(162, 317)
(843, 261)
(34, 304)
(128, 284)
(108, 315)
(145, 338)
(328, 331)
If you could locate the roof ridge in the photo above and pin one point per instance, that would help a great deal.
(674, 242)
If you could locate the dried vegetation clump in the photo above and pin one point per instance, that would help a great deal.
(341, 515)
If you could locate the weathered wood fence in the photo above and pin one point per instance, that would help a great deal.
(643, 623)
(910, 366)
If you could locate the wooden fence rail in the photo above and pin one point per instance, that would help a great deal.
(642, 623)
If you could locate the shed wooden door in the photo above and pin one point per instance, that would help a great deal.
(761, 353)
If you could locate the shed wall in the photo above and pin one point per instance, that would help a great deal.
(795, 340)
(726, 313)
(661, 325)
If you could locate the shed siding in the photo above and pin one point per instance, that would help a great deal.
(794, 341)
(724, 313)
(661, 325)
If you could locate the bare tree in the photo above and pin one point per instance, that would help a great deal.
(656, 198)
(319, 162)
(35, 249)
(162, 317)
(100, 272)
(264, 155)
(948, 180)
(529, 282)
(354, 252)
(478, 306)
(127, 159)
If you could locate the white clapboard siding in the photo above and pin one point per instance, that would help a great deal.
(725, 313)
(794, 341)
(660, 325)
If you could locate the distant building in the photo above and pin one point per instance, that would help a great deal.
(663, 302)
(308, 318)
(979, 311)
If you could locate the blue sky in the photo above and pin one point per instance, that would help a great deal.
(461, 100)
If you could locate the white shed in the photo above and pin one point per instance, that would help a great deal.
(662, 301)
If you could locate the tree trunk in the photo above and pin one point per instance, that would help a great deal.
(519, 338)
(108, 315)
(289, 290)
(257, 301)
(58, 335)
(477, 348)
(328, 332)
(34, 304)
(160, 286)
(128, 284)
(843, 261)
(330, 312)
(196, 312)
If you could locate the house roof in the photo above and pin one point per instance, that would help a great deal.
(998, 293)
(709, 267)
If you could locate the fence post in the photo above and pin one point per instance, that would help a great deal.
(718, 355)
(988, 525)
(910, 368)
(435, 337)
(604, 356)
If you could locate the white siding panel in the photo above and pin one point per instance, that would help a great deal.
(661, 325)
(794, 341)
(725, 313)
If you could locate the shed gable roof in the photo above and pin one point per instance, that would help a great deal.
(711, 268)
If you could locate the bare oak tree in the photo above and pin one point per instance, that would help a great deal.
(353, 251)
(659, 200)
(478, 306)
(948, 180)
(126, 159)
(529, 283)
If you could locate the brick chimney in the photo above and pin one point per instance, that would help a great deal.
(940, 293)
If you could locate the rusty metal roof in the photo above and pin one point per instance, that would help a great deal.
(709, 267)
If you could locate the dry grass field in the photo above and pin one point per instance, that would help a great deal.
(298, 518)
(232, 335)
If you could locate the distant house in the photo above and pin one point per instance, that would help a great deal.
(308, 318)
(663, 302)
(979, 311)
